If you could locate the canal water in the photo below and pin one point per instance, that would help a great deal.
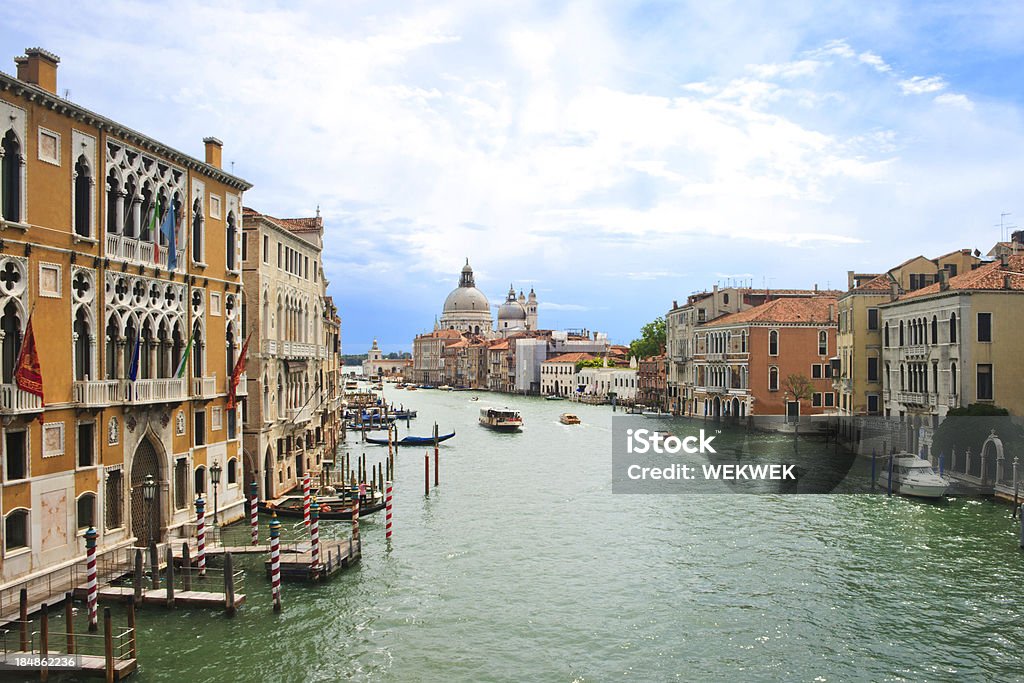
(523, 566)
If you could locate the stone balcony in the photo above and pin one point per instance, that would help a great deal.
(915, 351)
(99, 393)
(155, 390)
(14, 400)
(204, 387)
(917, 398)
(298, 415)
(139, 251)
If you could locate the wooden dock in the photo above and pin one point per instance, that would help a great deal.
(91, 665)
(158, 596)
(335, 555)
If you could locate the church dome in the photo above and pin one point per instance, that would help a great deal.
(466, 300)
(511, 309)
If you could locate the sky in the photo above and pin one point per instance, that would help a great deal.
(613, 156)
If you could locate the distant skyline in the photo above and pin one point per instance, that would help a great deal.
(613, 156)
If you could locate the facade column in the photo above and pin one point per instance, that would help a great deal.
(119, 358)
(119, 216)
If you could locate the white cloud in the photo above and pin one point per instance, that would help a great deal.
(874, 61)
(955, 100)
(920, 85)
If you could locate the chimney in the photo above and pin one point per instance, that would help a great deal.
(816, 291)
(849, 279)
(943, 280)
(1004, 259)
(213, 150)
(831, 311)
(1006, 282)
(39, 67)
(894, 290)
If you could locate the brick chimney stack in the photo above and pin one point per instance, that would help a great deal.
(39, 67)
(213, 151)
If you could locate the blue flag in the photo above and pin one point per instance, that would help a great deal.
(133, 369)
(167, 229)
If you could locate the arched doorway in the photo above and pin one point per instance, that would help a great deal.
(716, 407)
(735, 412)
(248, 473)
(268, 488)
(147, 523)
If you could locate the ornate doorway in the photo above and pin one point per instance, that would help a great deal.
(146, 515)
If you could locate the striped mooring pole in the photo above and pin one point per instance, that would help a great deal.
(388, 497)
(314, 533)
(355, 517)
(305, 499)
(91, 586)
(201, 535)
(275, 561)
(254, 512)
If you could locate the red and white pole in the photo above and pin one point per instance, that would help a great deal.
(305, 499)
(275, 561)
(355, 518)
(314, 532)
(254, 513)
(201, 535)
(388, 496)
(91, 586)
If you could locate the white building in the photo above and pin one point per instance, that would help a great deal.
(604, 381)
(558, 374)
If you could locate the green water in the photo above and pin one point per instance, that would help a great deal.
(523, 567)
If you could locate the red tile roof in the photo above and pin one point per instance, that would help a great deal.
(882, 283)
(809, 310)
(291, 224)
(988, 277)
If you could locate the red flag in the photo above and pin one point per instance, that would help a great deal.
(236, 373)
(28, 374)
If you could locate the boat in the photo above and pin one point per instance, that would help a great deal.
(569, 419)
(444, 387)
(501, 419)
(337, 507)
(914, 476)
(403, 414)
(411, 387)
(655, 414)
(554, 397)
(411, 440)
(475, 398)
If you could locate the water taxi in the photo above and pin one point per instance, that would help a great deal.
(501, 419)
(569, 419)
(914, 476)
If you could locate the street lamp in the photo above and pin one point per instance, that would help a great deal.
(148, 494)
(215, 480)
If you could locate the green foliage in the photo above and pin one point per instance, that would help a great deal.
(594, 363)
(651, 341)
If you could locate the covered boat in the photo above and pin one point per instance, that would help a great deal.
(411, 440)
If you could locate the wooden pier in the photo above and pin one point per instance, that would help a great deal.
(338, 554)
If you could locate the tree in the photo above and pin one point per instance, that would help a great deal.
(651, 341)
(800, 389)
(594, 363)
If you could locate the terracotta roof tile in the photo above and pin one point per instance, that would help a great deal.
(990, 276)
(811, 310)
(882, 283)
(574, 357)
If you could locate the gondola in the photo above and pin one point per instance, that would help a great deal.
(337, 508)
(411, 440)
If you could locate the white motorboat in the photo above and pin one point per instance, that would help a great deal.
(914, 476)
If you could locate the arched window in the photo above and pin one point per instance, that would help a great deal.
(903, 378)
(16, 530)
(112, 336)
(10, 176)
(773, 343)
(901, 333)
(229, 349)
(952, 380)
(885, 334)
(935, 329)
(822, 343)
(163, 369)
(113, 194)
(130, 334)
(83, 346)
(129, 209)
(280, 396)
(86, 509)
(952, 328)
(232, 239)
(232, 471)
(83, 198)
(146, 352)
(200, 480)
(10, 323)
(773, 378)
(197, 231)
(197, 352)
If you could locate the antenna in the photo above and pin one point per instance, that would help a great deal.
(232, 168)
(1003, 227)
(67, 93)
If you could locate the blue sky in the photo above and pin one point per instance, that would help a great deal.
(614, 156)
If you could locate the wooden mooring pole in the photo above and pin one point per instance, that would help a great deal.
(137, 579)
(44, 640)
(229, 585)
(23, 618)
(186, 567)
(169, 557)
(69, 622)
(108, 644)
(154, 565)
(426, 474)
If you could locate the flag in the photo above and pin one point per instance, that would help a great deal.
(133, 369)
(169, 230)
(236, 373)
(183, 363)
(153, 233)
(28, 374)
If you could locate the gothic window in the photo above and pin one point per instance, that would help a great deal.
(200, 480)
(952, 379)
(197, 352)
(131, 333)
(822, 343)
(10, 325)
(83, 346)
(197, 231)
(146, 351)
(773, 343)
(177, 348)
(935, 330)
(952, 328)
(112, 337)
(113, 192)
(232, 238)
(83, 198)
(229, 340)
(901, 334)
(129, 209)
(773, 378)
(10, 176)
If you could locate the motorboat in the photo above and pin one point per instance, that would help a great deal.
(554, 397)
(501, 419)
(914, 476)
(569, 419)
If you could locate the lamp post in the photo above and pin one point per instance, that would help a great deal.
(215, 480)
(148, 494)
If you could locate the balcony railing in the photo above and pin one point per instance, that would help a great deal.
(292, 349)
(154, 390)
(103, 392)
(916, 351)
(270, 347)
(140, 251)
(916, 398)
(15, 400)
(298, 415)
(204, 387)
